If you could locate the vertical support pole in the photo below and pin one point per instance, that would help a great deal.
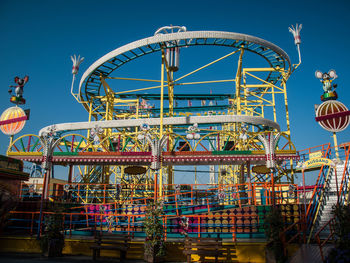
(170, 92)
(286, 103)
(176, 205)
(245, 95)
(283, 84)
(155, 185)
(20, 190)
(161, 123)
(336, 145)
(70, 173)
(104, 193)
(90, 115)
(191, 194)
(170, 82)
(137, 112)
(11, 141)
(336, 182)
(195, 176)
(46, 184)
(31, 224)
(250, 189)
(199, 219)
(109, 102)
(304, 195)
(273, 103)
(43, 197)
(238, 82)
(170, 176)
(273, 188)
(108, 116)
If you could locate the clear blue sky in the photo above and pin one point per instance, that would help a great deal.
(38, 37)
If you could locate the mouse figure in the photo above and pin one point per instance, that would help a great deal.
(193, 132)
(328, 87)
(18, 99)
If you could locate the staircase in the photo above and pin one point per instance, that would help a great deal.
(310, 253)
(330, 196)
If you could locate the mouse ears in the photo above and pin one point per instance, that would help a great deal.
(318, 74)
(25, 79)
(332, 74)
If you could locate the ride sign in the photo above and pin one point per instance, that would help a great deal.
(316, 162)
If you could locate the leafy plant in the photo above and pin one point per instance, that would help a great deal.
(342, 227)
(52, 240)
(274, 225)
(154, 243)
(8, 202)
(341, 252)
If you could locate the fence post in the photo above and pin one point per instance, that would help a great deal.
(165, 227)
(208, 205)
(70, 225)
(191, 194)
(239, 197)
(128, 225)
(31, 224)
(234, 228)
(78, 193)
(199, 226)
(176, 205)
(104, 193)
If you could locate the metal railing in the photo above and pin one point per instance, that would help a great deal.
(256, 193)
(84, 221)
(328, 227)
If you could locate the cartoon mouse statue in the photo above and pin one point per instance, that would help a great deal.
(328, 86)
(18, 99)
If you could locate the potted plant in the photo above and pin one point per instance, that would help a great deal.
(154, 242)
(52, 240)
(273, 227)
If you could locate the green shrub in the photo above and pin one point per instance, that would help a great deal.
(154, 243)
(274, 225)
(52, 239)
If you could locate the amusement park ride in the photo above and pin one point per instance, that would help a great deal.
(128, 152)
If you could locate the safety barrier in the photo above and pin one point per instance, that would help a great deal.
(344, 185)
(256, 193)
(327, 228)
(318, 192)
(246, 222)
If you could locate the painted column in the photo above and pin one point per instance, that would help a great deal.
(270, 142)
(47, 165)
(156, 147)
(49, 142)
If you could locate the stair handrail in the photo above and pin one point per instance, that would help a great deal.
(344, 186)
(318, 182)
(324, 147)
(301, 233)
(319, 203)
(320, 243)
